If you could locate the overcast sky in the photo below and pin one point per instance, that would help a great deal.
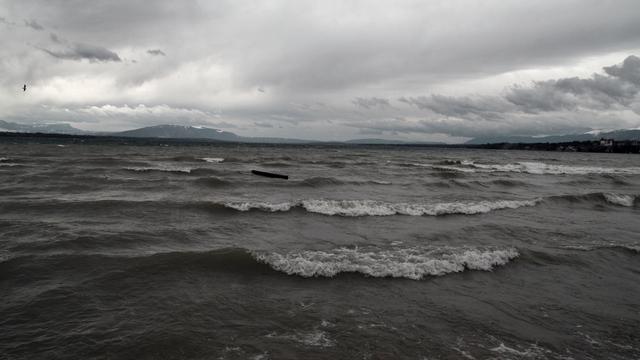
(331, 70)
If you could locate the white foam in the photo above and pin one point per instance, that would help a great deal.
(8, 164)
(250, 205)
(379, 208)
(315, 338)
(213, 160)
(160, 168)
(410, 263)
(4, 159)
(620, 199)
(534, 351)
(540, 168)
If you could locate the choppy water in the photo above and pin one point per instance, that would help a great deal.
(372, 253)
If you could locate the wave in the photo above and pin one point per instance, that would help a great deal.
(380, 208)
(173, 169)
(633, 248)
(509, 183)
(347, 208)
(625, 200)
(315, 182)
(539, 168)
(213, 182)
(410, 263)
(265, 206)
(330, 181)
(620, 199)
(212, 160)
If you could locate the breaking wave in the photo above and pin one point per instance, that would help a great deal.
(620, 199)
(380, 208)
(539, 168)
(212, 160)
(609, 198)
(265, 206)
(411, 263)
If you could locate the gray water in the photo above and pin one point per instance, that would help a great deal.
(179, 252)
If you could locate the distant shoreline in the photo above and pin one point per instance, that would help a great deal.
(625, 146)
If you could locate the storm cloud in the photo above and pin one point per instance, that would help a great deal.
(156, 52)
(619, 88)
(371, 102)
(331, 70)
(79, 51)
(33, 24)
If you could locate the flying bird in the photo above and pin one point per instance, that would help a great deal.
(24, 87)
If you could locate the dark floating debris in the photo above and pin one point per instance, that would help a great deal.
(268, 174)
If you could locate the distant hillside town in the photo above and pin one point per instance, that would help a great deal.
(603, 146)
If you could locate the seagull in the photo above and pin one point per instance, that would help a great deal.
(24, 87)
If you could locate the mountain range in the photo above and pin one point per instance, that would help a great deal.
(199, 132)
(41, 128)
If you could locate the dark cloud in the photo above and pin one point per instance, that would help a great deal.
(628, 71)
(7, 22)
(599, 92)
(371, 102)
(55, 38)
(485, 106)
(156, 52)
(33, 24)
(79, 51)
(618, 88)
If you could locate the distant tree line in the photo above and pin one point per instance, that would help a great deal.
(602, 145)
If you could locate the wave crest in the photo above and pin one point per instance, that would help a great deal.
(540, 168)
(620, 199)
(412, 263)
(264, 206)
(380, 208)
(212, 160)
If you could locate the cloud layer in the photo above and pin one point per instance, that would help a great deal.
(437, 70)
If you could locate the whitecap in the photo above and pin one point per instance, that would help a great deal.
(410, 263)
(212, 160)
(250, 205)
(540, 168)
(620, 199)
(379, 208)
